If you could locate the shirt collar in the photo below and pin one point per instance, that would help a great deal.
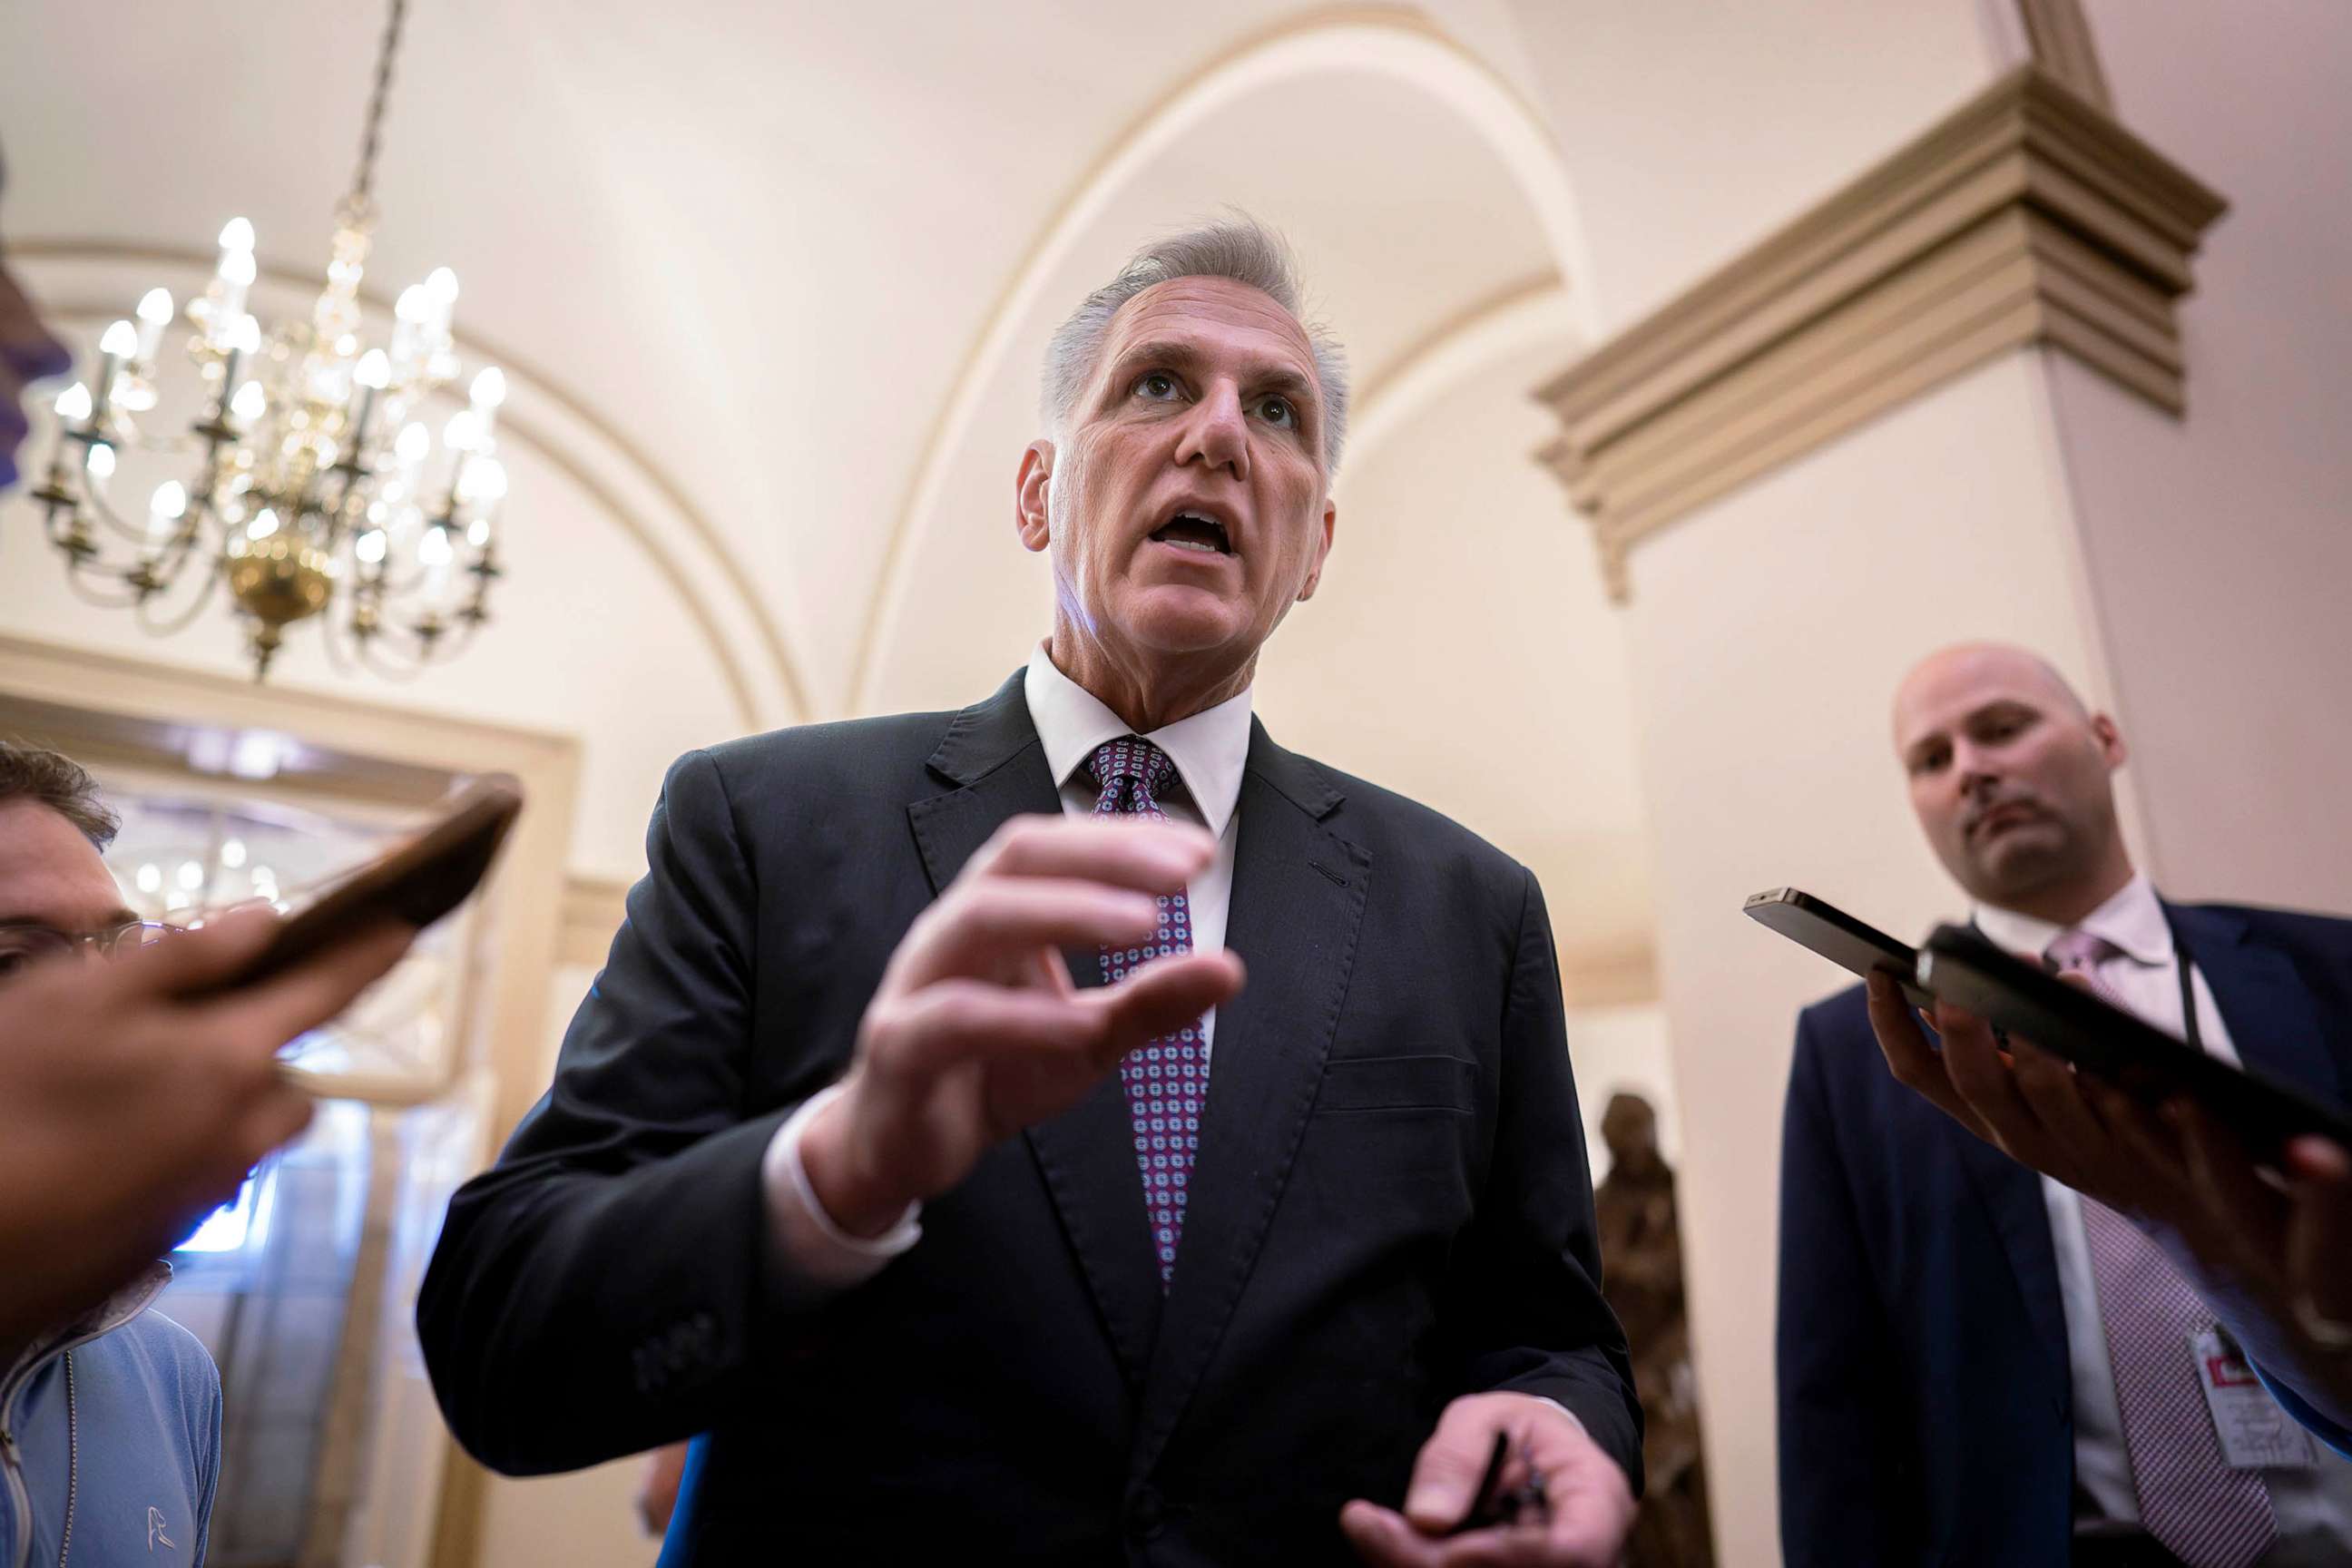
(1210, 748)
(2132, 918)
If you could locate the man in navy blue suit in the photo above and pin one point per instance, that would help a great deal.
(1984, 1362)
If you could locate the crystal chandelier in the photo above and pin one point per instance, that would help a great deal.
(312, 485)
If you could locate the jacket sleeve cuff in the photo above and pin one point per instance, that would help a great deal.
(811, 1250)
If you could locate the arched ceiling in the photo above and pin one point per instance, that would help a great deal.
(798, 258)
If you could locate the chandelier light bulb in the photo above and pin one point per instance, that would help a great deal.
(101, 460)
(462, 432)
(121, 341)
(484, 482)
(250, 401)
(413, 443)
(414, 304)
(478, 533)
(155, 315)
(237, 268)
(370, 546)
(489, 389)
(73, 404)
(171, 500)
(374, 370)
(441, 285)
(237, 234)
(244, 335)
(263, 525)
(433, 549)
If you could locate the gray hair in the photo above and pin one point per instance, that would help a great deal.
(1239, 248)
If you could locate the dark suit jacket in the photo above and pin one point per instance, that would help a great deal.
(1392, 1205)
(1926, 1408)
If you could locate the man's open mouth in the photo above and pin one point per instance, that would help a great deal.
(1191, 531)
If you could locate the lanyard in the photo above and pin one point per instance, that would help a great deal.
(2188, 998)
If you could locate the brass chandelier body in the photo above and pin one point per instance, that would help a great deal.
(316, 491)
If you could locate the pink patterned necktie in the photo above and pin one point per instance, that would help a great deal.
(1167, 1079)
(2200, 1509)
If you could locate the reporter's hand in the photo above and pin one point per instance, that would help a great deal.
(127, 1109)
(976, 1031)
(1589, 1501)
(2031, 1105)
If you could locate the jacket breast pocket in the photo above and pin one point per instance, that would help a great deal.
(1363, 1085)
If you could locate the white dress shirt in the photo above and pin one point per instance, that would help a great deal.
(1209, 750)
(2314, 1506)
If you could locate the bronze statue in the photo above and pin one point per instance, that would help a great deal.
(1641, 1264)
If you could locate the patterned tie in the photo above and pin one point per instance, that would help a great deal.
(2204, 1511)
(1168, 1078)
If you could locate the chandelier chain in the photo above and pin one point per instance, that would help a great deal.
(363, 178)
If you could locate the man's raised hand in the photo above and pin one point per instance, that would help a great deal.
(976, 1030)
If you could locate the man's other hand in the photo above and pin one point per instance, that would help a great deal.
(130, 1107)
(1589, 1504)
(977, 1032)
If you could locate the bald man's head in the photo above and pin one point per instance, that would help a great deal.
(2012, 779)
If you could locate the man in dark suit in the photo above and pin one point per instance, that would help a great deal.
(1978, 1364)
(958, 1251)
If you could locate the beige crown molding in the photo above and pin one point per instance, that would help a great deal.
(2028, 216)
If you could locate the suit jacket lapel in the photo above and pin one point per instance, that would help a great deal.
(991, 755)
(2265, 1003)
(1297, 903)
(2013, 1200)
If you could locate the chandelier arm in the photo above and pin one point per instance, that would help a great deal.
(81, 590)
(196, 602)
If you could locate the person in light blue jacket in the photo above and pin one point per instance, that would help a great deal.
(109, 1420)
(110, 1440)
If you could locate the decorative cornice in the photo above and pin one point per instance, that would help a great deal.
(2028, 216)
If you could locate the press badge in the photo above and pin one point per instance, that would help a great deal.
(2255, 1433)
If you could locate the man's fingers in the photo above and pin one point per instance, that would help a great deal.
(1985, 1082)
(2054, 1094)
(982, 929)
(2319, 1234)
(1446, 1477)
(1381, 1536)
(197, 959)
(958, 1020)
(1163, 997)
(271, 1012)
(1914, 1062)
(1143, 855)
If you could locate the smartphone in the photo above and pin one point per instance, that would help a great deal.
(1839, 937)
(2025, 999)
(417, 883)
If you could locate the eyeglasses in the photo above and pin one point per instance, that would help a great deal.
(27, 941)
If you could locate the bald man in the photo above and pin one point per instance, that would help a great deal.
(1978, 1362)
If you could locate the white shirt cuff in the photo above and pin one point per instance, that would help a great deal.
(1564, 1410)
(814, 1252)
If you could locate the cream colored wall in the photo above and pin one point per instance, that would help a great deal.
(1691, 129)
(1768, 633)
(1625, 1050)
(2218, 544)
(584, 1519)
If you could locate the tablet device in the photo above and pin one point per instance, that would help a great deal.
(1839, 937)
(2070, 1022)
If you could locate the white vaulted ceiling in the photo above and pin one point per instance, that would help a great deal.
(776, 276)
